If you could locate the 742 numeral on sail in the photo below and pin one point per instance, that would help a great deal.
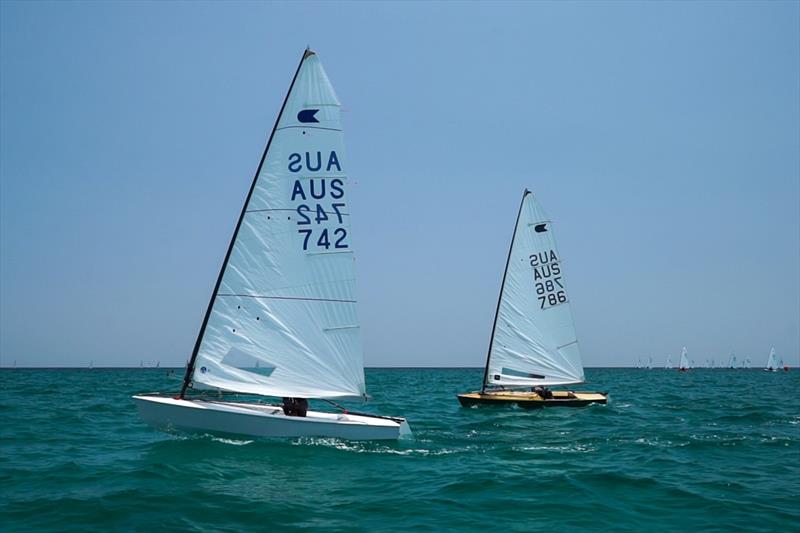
(323, 241)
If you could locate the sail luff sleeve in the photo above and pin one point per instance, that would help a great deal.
(500, 296)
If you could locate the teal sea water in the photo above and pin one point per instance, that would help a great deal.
(710, 449)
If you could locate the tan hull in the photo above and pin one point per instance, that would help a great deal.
(532, 400)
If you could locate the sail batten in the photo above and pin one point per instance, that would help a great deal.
(285, 300)
(533, 339)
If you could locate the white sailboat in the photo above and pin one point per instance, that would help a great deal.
(668, 365)
(772, 365)
(284, 301)
(683, 366)
(533, 343)
(732, 361)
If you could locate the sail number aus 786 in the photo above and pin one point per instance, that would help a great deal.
(550, 290)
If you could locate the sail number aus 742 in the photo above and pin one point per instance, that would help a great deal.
(319, 206)
(550, 290)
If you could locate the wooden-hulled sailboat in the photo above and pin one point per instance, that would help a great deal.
(533, 344)
(282, 318)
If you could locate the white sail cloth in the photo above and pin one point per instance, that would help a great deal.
(534, 340)
(287, 300)
(684, 360)
(771, 362)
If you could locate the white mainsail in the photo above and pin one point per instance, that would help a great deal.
(771, 363)
(684, 360)
(282, 320)
(533, 340)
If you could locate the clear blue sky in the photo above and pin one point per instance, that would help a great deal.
(661, 137)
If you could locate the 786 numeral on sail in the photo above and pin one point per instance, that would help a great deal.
(550, 292)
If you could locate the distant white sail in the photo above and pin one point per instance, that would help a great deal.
(534, 340)
(771, 363)
(684, 363)
(669, 362)
(287, 298)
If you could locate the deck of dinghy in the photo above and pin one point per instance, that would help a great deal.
(532, 400)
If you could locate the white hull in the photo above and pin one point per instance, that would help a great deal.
(259, 420)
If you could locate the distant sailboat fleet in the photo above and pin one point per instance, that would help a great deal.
(773, 363)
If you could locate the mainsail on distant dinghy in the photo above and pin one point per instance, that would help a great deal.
(683, 366)
(282, 318)
(772, 364)
(533, 342)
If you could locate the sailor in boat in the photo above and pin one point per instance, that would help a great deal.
(537, 348)
(295, 406)
(307, 288)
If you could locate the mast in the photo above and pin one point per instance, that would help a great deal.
(187, 379)
(502, 288)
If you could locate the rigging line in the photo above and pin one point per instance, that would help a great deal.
(289, 298)
(338, 406)
(370, 415)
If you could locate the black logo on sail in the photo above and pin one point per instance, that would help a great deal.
(307, 115)
(540, 228)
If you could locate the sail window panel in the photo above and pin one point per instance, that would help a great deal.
(519, 374)
(312, 355)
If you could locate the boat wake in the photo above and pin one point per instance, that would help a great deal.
(369, 447)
